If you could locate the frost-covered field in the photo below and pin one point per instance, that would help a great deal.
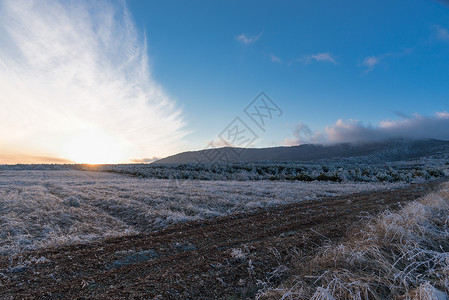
(396, 255)
(39, 208)
(337, 170)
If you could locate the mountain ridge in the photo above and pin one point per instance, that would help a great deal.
(388, 150)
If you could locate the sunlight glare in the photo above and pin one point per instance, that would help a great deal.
(94, 148)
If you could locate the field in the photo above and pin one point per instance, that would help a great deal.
(397, 255)
(43, 208)
(121, 235)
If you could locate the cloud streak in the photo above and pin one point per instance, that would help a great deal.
(319, 57)
(275, 59)
(76, 85)
(247, 39)
(371, 62)
(441, 33)
(353, 131)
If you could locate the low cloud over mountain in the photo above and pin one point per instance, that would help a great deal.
(353, 131)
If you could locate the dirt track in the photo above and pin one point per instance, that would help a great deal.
(194, 260)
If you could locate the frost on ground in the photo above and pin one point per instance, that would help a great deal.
(397, 255)
(338, 170)
(40, 208)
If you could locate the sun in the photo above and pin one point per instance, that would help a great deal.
(94, 147)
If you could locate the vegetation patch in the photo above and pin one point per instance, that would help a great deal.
(397, 255)
(326, 170)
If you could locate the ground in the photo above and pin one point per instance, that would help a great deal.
(228, 257)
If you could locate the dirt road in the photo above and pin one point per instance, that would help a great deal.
(223, 258)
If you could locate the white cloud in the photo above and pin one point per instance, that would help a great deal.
(275, 59)
(442, 115)
(441, 33)
(247, 39)
(371, 62)
(319, 57)
(415, 127)
(75, 82)
(302, 134)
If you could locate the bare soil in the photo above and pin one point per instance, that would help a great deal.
(196, 260)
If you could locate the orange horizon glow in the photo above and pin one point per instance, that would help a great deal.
(21, 159)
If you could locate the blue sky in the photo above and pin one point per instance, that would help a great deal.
(111, 81)
(197, 57)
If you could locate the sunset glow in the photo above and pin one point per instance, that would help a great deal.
(79, 91)
(94, 148)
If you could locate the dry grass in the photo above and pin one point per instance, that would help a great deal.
(44, 207)
(397, 255)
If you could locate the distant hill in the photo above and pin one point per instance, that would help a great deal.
(385, 151)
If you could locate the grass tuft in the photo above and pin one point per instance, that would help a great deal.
(397, 255)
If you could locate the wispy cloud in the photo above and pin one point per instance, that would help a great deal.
(75, 81)
(307, 59)
(275, 59)
(371, 62)
(441, 33)
(302, 134)
(12, 158)
(414, 127)
(247, 39)
(319, 57)
(145, 160)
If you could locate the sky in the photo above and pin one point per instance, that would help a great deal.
(130, 81)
